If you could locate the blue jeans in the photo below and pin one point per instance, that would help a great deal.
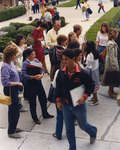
(59, 123)
(71, 113)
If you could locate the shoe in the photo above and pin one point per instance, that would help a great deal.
(48, 116)
(112, 94)
(14, 135)
(93, 103)
(92, 140)
(54, 135)
(23, 109)
(37, 122)
(18, 130)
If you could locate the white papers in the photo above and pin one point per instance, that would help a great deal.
(37, 64)
(76, 94)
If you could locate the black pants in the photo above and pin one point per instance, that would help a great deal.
(100, 10)
(13, 109)
(36, 89)
(78, 4)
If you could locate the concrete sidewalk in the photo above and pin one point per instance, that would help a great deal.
(106, 115)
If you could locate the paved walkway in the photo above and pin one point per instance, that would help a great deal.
(105, 116)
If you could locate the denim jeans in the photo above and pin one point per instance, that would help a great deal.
(59, 123)
(71, 113)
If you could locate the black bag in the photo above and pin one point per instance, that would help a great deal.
(51, 94)
(112, 78)
(89, 11)
(52, 55)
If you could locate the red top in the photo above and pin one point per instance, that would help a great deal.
(37, 34)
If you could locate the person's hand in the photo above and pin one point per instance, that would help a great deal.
(38, 76)
(81, 101)
(19, 84)
(59, 105)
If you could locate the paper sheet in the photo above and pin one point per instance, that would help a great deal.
(76, 94)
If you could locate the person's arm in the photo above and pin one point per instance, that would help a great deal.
(89, 87)
(58, 91)
(97, 41)
(111, 49)
(5, 78)
(25, 76)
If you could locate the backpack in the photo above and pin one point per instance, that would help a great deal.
(52, 55)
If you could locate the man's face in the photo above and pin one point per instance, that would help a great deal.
(57, 25)
(66, 61)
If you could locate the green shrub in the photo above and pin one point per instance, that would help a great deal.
(10, 13)
(7, 28)
(17, 25)
(34, 22)
(26, 30)
(4, 41)
(110, 17)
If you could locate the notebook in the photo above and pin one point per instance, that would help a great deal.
(76, 94)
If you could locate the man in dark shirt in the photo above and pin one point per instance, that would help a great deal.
(71, 77)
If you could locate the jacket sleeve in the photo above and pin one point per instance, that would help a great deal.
(88, 83)
(58, 85)
(5, 76)
(25, 76)
(112, 54)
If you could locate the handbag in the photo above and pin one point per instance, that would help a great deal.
(5, 100)
(51, 94)
(89, 11)
(112, 78)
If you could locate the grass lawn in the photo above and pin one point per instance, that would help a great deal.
(71, 3)
(110, 17)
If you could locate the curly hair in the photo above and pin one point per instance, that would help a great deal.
(10, 51)
(112, 33)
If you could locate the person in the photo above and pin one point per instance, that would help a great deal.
(11, 83)
(59, 48)
(20, 3)
(20, 43)
(78, 4)
(71, 37)
(51, 38)
(73, 44)
(48, 18)
(81, 38)
(101, 6)
(38, 37)
(68, 78)
(91, 65)
(101, 42)
(111, 61)
(86, 6)
(34, 85)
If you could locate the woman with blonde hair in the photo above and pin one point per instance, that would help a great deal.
(12, 85)
(111, 63)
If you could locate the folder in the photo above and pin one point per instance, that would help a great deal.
(76, 94)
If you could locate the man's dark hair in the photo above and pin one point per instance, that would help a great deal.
(73, 45)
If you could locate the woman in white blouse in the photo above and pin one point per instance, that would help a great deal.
(101, 42)
(91, 65)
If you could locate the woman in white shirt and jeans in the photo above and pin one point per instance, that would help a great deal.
(91, 65)
(101, 42)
